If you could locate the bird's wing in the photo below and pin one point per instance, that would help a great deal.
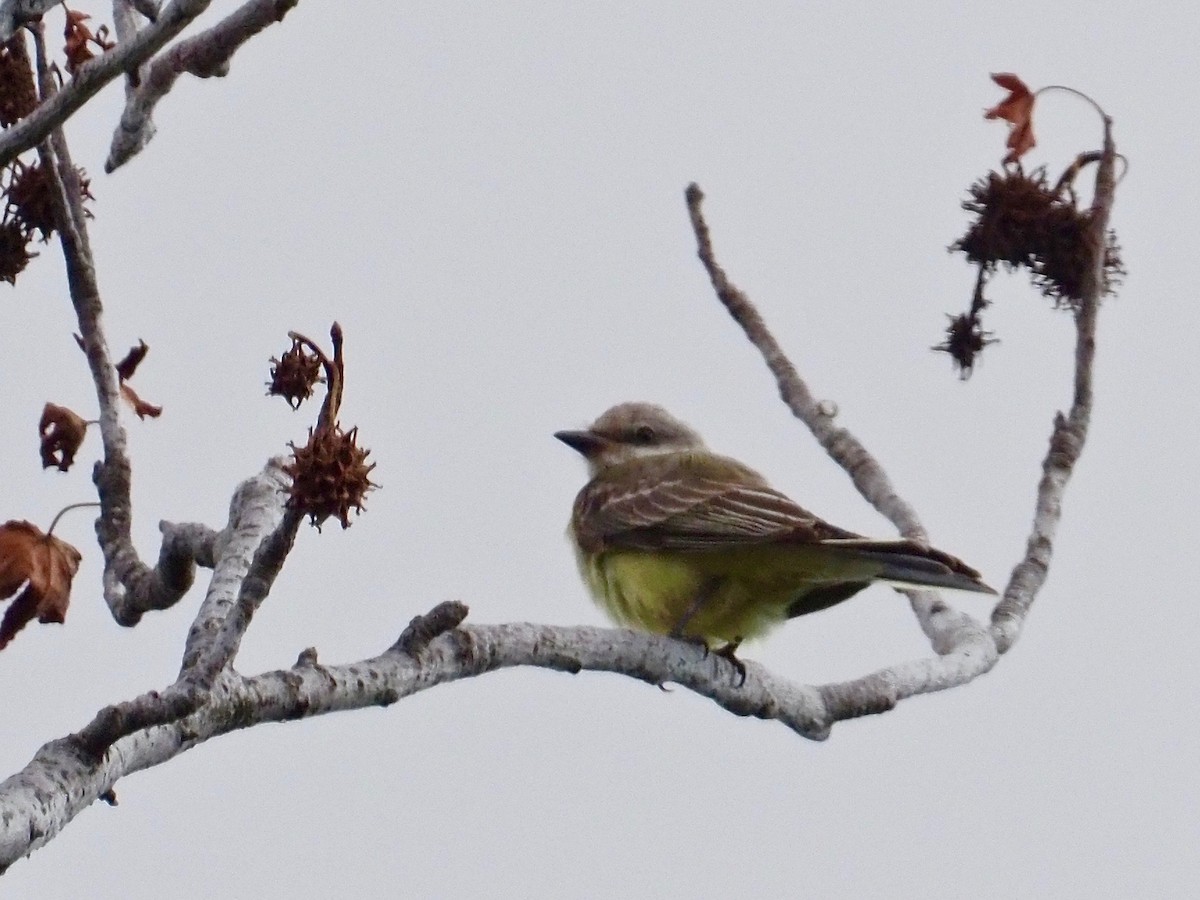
(690, 502)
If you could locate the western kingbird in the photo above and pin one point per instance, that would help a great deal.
(672, 538)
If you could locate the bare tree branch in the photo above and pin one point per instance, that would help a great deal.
(868, 476)
(123, 719)
(15, 13)
(148, 8)
(256, 512)
(205, 55)
(209, 698)
(127, 24)
(966, 649)
(130, 586)
(268, 561)
(1070, 431)
(40, 804)
(95, 74)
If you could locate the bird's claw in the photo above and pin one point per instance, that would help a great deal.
(729, 652)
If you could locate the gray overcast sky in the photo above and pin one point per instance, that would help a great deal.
(489, 198)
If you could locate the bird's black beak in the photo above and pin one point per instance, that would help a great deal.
(586, 442)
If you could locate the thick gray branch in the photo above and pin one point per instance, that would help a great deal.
(134, 588)
(66, 777)
(242, 567)
(15, 13)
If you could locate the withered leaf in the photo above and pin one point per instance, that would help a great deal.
(125, 369)
(62, 432)
(127, 366)
(1017, 110)
(78, 36)
(140, 406)
(44, 566)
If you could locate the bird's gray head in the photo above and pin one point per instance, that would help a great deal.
(628, 431)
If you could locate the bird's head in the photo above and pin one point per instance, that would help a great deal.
(629, 431)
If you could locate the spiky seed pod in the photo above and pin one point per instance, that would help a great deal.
(965, 338)
(1022, 221)
(294, 375)
(18, 95)
(31, 197)
(330, 475)
(14, 250)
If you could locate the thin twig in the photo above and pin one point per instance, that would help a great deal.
(940, 622)
(124, 571)
(868, 476)
(66, 509)
(127, 24)
(1078, 93)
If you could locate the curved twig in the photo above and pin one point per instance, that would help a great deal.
(965, 648)
(1070, 431)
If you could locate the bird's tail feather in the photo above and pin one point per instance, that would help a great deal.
(909, 563)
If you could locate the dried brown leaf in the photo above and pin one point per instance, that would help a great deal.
(38, 566)
(62, 432)
(140, 406)
(79, 36)
(127, 366)
(1017, 110)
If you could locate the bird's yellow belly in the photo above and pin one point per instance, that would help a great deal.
(655, 592)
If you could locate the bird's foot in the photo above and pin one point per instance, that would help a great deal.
(729, 652)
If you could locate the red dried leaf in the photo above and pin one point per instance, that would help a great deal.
(40, 567)
(140, 406)
(62, 432)
(127, 366)
(1017, 110)
(78, 36)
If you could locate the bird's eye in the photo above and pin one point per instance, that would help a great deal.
(644, 434)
